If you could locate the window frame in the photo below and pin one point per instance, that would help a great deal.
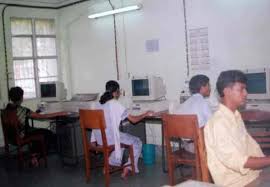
(34, 36)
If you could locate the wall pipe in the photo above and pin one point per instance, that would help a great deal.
(186, 37)
(115, 44)
(6, 5)
(5, 47)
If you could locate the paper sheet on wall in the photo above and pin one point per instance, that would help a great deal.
(199, 49)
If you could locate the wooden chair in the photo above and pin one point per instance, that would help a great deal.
(10, 124)
(185, 126)
(205, 173)
(94, 119)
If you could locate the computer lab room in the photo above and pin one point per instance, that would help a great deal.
(135, 93)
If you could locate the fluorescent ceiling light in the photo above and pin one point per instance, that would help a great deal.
(116, 11)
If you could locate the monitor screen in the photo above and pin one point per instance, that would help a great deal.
(256, 83)
(48, 90)
(140, 87)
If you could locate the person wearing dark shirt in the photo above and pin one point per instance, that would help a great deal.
(23, 114)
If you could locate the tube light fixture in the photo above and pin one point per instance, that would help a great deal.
(115, 11)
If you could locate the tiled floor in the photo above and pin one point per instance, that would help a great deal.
(56, 175)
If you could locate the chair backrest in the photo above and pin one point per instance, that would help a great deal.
(186, 126)
(10, 126)
(183, 126)
(206, 176)
(93, 119)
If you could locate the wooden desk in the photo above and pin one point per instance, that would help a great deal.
(258, 125)
(255, 117)
(163, 156)
(69, 140)
(133, 129)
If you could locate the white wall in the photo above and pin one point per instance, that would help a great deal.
(238, 39)
(238, 32)
(90, 45)
(86, 48)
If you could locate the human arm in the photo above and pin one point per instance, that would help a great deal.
(44, 116)
(135, 119)
(257, 159)
(255, 163)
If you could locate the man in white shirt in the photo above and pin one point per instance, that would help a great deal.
(199, 88)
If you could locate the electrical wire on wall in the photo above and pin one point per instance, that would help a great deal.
(186, 37)
(125, 40)
(5, 44)
(115, 44)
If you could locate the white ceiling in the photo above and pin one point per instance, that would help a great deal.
(51, 3)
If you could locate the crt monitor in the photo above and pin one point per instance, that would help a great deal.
(52, 91)
(148, 88)
(258, 84)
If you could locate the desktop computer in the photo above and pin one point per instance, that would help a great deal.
(69, 139)
(139, 107)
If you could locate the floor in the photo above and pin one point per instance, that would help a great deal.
(69, 176)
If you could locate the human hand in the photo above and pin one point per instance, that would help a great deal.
(150, 113)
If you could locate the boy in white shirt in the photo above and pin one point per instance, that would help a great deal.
(200, 89)
(196, 104)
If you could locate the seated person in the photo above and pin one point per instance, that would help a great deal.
(114, 113)
(234, 157)
(196, 104)
(199, 88)
(23, 114)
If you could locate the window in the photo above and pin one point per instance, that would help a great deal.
(34, 53)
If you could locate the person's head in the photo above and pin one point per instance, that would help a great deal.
(231, 85)
(112, 92)
(200, 84)
(16, 95)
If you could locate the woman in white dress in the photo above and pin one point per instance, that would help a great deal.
(114, 113)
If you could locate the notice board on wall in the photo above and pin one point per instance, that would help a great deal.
(199, 49)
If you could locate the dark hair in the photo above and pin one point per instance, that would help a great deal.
(15, 94)
(111, 86)
(228, 78)
(196, 82)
